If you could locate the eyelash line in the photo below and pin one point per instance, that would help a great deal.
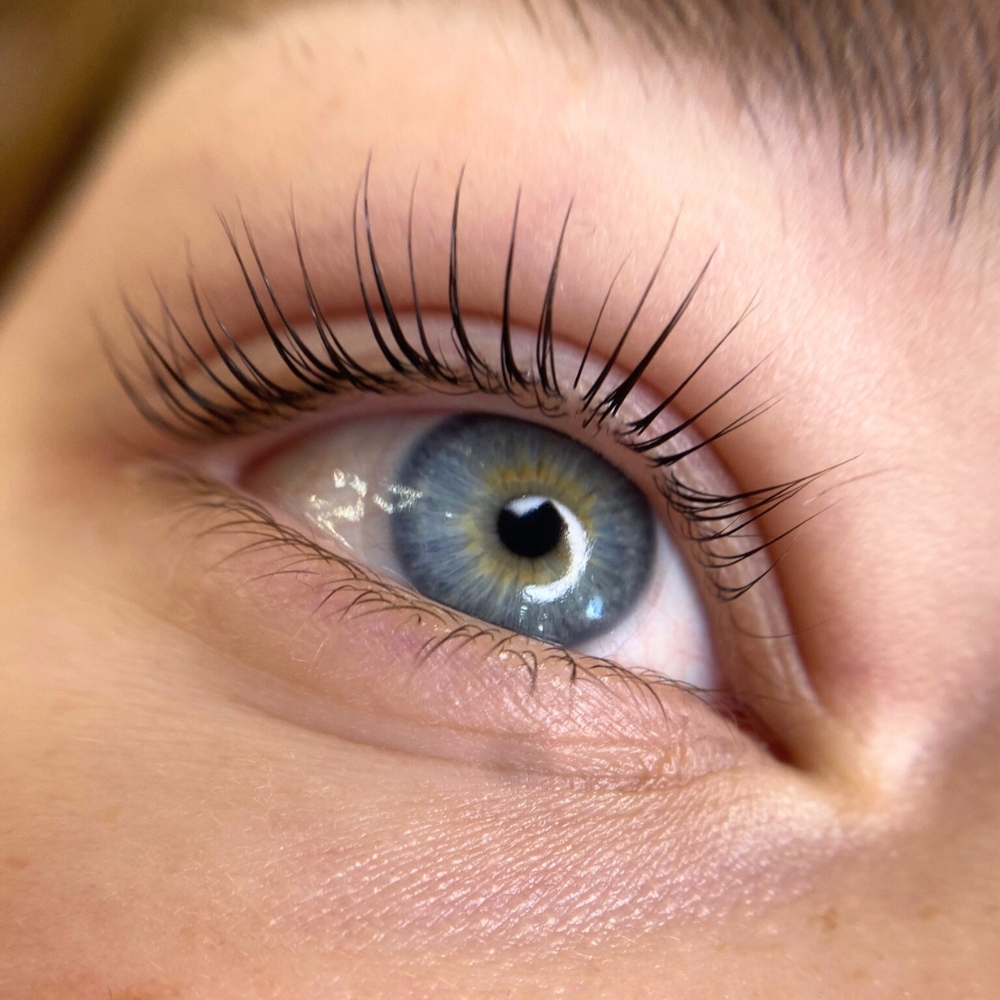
(713, 521)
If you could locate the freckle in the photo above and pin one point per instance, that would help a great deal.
(830, 919)
(18, 864)
(928, 912)
(111, 814)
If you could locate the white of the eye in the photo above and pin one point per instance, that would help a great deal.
(579, 551)
(328, 513)
(342, 482)
(670, 620)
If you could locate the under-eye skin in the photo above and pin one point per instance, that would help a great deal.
(547, 537)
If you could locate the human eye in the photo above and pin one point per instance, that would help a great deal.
(497, 517)
(521, 554)
(271, 727)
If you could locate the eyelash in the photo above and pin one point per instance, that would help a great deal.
(714, 522)
(231, 513)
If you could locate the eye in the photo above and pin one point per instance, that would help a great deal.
(476, 540)
(511, 522)
(522, 527)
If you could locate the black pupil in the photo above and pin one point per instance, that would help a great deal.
(530, 532)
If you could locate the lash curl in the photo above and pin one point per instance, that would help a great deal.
(243, 398)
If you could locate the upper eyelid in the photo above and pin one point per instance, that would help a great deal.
(337, 369)
(246, 397)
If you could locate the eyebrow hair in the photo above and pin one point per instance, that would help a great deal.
(916, 77)
(912, 78)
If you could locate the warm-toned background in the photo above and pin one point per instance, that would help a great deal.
(62, 62)
(65, 67)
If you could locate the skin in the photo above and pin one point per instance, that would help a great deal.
(182, 817)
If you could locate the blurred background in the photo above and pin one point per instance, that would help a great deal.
(65, 68)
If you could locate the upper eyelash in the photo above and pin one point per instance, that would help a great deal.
(251, 399)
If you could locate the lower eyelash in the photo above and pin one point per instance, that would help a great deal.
(244, 398)
(232, 514)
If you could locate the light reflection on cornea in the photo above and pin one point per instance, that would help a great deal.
(576, 541)
(330, 512)
(404, 498)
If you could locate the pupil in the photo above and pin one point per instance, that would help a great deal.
(530, 527)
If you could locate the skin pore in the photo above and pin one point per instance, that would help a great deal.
(186, 811)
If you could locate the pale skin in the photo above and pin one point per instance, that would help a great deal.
(163, 838)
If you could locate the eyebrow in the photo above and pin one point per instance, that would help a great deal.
(891, 78)
(913, 77)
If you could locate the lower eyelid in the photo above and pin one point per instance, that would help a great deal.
(324, 644)
(512, 709)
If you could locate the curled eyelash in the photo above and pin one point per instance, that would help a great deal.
(243, 397)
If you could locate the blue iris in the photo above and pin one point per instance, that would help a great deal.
(522, 526)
